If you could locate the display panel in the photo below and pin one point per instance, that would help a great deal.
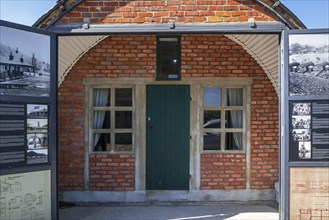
(28, 123)
(22, 198)
(304, 124)
(24, 63)
(309, 193)
(24, 134)
(308, 64)
(309, 130)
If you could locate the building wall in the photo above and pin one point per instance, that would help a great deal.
(112, 172)
(162, 11)
(135, 56)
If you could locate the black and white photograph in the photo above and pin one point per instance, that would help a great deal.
(301, 109)
(304, 150)
(37, 141)
(37, 126)
(308, 64)
(37, 111)
(301, 134)
(301, 122)
(37, 156)
(24, 63)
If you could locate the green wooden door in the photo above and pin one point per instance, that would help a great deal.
(167, 137)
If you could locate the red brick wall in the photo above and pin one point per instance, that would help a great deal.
(135, 56)
(71, 133)
(223, 171)
(208, 56)
(161, 11)
(112, 172)
(116, 56)
(264, 134)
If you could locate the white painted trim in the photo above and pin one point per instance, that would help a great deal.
(140, 137)
(139, 130)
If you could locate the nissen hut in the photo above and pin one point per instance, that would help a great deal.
(168, 100)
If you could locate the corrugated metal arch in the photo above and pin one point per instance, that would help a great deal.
(71, 49)
(265, 50)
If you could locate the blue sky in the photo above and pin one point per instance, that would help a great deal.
(313, 13)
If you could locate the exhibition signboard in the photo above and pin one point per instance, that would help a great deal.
(304, 151)
(28, 118)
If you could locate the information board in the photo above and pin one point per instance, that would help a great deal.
(25, 195)
(309, 193)
(28, 123)
(24, 134)
(309, 130)
(304, 148)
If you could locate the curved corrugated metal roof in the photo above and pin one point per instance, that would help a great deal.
(264, 48)
(70, 49)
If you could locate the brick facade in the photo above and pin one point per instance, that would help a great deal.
(162, 11)
(203, 55)
(264, 135)
(223, 171)
(112, 172)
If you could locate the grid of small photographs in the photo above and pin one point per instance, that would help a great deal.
(301, 129)
(37, 134)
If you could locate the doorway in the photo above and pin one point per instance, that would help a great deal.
(167, 137)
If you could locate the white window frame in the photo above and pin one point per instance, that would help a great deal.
(139, 122)
(223, 108)
(112, 108)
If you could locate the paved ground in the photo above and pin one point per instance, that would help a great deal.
(172, 211)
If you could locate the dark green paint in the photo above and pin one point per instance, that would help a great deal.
(167, 137)
(159, 58)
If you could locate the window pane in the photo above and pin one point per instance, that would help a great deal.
(102, 120)
(212, 97)
(123, 97)
(123, 119)
(211, 119)
(168, 58)
(168, 47)
(211, 140)
(102, 141)
(123, 142)
(168, 68)
(233, 141)
(233, 119)
(234, 97)
(101, 97)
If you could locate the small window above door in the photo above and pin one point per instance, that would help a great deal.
(168, 58)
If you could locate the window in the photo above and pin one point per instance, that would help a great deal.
(168, 58)
(223, 116)
(112, 119)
